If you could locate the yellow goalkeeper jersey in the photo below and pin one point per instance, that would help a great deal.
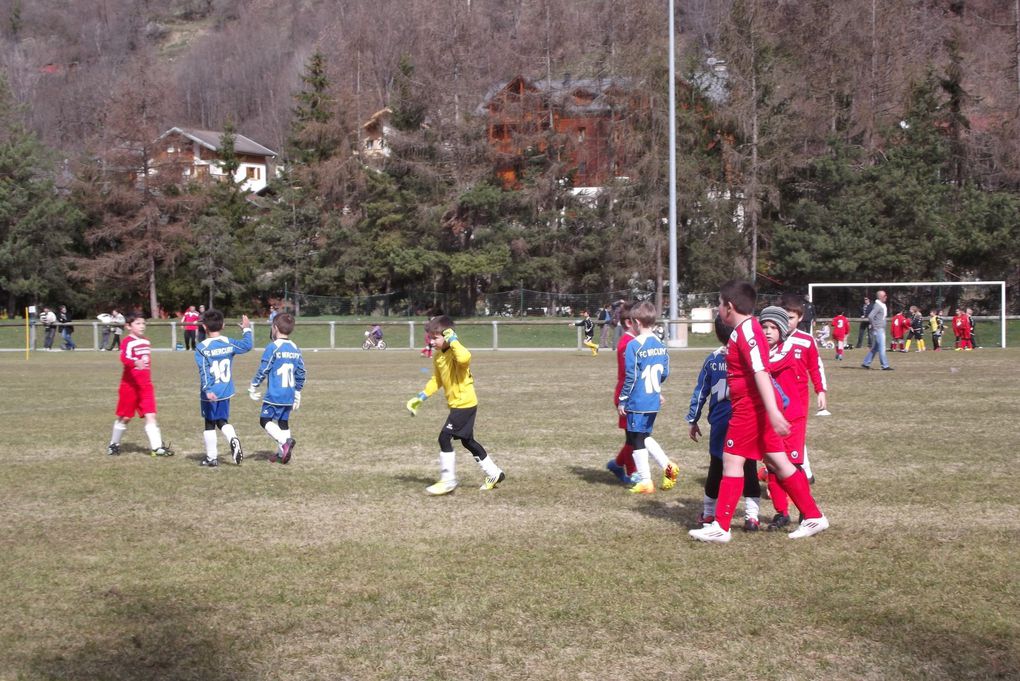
(451, 371)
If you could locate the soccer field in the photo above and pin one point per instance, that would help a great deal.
(338, 566)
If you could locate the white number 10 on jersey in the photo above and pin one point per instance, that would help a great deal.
(286, 374)
(652, 374)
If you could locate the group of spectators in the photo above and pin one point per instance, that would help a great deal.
(608, 320)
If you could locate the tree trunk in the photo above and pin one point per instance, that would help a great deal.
(153, 301)
(752, 202)
(1016, 22)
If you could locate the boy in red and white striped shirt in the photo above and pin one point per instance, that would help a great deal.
(136, 394)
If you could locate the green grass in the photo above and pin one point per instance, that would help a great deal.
(339, 567)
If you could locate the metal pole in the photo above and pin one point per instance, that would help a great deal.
(1002, 313)
(673, 312)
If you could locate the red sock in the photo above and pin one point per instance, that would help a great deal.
(778, 495)
(625, 458)
(800, 494)
(730, 489)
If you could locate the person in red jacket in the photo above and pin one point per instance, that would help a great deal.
(190, 321)
(961, 329)
(840, 330)
(899, 325)
(623, 465)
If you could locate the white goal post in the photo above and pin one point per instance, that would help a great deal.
(877, 285)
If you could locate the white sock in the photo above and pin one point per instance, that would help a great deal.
(285, 433)
(273, 431)
(447, 465)
(752, 507)
(210, 443)
(228, 432)
(807, 464)
(490, 467)
(155, 439)
(118, 432)
(655, 449)
(641, 464)
(707, 506)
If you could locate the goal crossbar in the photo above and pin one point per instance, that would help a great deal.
(891, 284)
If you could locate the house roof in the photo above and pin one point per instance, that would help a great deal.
(210, 139)
(561, 92)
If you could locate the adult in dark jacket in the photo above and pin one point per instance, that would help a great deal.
(66, 330)
(865, 327)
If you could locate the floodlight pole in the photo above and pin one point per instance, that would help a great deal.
(673, 312)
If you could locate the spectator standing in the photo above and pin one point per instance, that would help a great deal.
(117, 324)
(190, 321)
(66, 329)
(201, 323)
(605, 316)
(49, 321)
(865, 327)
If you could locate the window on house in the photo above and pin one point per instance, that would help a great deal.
(580, 135)
(253, 173)
(170, 150)
(582, 168)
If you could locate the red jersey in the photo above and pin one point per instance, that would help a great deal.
(621, 368)
(190, 321)
(792, 364)
(134, 349)
(746, 355)
(961, 326)
(840, 327)
(899, 325)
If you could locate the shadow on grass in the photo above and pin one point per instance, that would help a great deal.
(595, 476)
(414, 480)
(260, 456)
(680, 510)
(143, 637)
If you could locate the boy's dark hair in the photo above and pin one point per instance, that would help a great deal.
(723, 331)
(284, 323)
(840, 311)
(439, 324)
(793, 302)
(132, 316)
(645, 313)
(740, 294)
(213, 320)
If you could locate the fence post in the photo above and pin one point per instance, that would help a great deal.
(332, 335)
(410, 334)
(579, 338)
(95, 336)
(495, 335)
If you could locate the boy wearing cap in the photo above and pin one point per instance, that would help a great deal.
(757, 424)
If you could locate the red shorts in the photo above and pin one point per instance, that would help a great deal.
(749, 434)
(135, 400)
(898, 336)
(622, 423)
(794, 442)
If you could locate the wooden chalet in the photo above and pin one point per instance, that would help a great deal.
(197, 153)
(374, 133)
(582, 124)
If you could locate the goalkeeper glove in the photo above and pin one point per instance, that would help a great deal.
(450, 335)
(254, 395)
(415, 402)
(297, 401)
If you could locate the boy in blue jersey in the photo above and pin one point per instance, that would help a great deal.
(283, 369)
(215, 359)
(712, 387)
(646, 366)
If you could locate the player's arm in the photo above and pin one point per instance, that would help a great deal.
(817, 372)
(763, 381)
(461, 354)
(299, 374)
(629, 377)
(265, 364)
(204, 378)
(702, 389)
(247, 340)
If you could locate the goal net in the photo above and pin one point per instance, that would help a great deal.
(987, 300)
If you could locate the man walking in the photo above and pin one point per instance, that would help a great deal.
(876, 320)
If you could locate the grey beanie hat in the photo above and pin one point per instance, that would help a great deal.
(777, 316)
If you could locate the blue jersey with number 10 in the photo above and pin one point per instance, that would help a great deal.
(215, 359)
(646, 366)
(283, 368)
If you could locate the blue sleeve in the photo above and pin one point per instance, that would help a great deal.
(204, 379)
(665, 367)
(264, 364)
(299, 374)
(630, 371)
(246, 343)
(782, 395)
(702, 390)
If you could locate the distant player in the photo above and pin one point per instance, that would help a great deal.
(646, 366)
(961, 329)
(451, 371)
(283, 369)
(916, 332)
(937, 327)
(215, 359)
(711, 387)
(623, 465)
(898, 327)
(136, 394)
(757, 424)
(840, 331)
(971, 330)
(588, 325)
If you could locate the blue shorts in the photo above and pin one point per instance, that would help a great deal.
(716, 440)
(275, 412)
(215, 411)
(640, 422)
